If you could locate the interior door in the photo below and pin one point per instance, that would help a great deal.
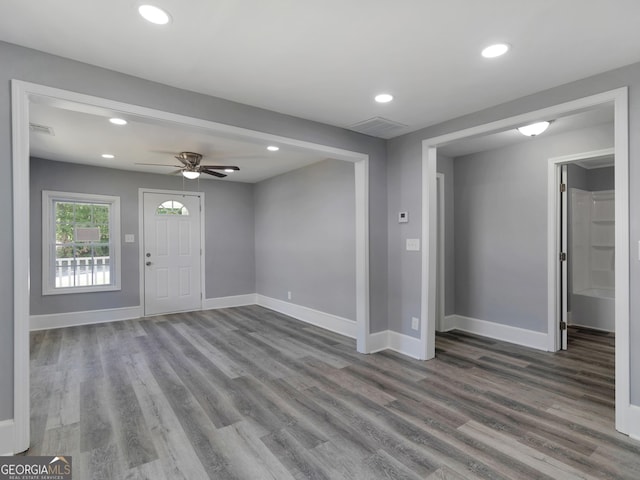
(564, 283)
(172, 253)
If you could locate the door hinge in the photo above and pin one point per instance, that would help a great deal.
(563, 325)
(563, 187)
(563, 257)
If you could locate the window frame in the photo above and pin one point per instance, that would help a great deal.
(49, 197)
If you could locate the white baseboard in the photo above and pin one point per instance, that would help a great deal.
(405, 344)
(633, 419)
(71, 319)
(378, 341)
(7, 428)
(228, 302)
(398, 342)
(449, 323)
(328, 321)
(519, 336)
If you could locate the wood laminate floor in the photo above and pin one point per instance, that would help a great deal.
(246, 393)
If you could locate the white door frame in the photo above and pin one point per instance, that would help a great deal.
(440, 325)
(200, 195)
(22, 93)
(627, 415)
(553, 240)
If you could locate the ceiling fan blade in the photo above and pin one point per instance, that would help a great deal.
(211, 172)
(160, 165)
(221, 167)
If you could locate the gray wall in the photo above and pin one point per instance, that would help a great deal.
(501, 227)
(229, 232)
(37, 67)
(404, 157)
(305, 237)
(600, 179)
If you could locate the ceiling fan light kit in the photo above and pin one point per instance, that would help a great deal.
(190, 175)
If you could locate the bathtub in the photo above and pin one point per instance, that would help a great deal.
(594, 308)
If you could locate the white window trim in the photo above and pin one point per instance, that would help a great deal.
(48, 231)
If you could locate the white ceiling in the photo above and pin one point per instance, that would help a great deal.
(325, 60)
(80, 137)
(585, 119)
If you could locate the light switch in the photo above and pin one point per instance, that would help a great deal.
(129, 238)
(413, 244)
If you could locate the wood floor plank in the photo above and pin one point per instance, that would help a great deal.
(246, 392)
(177, 457)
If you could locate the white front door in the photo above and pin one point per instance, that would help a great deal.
(172, 253)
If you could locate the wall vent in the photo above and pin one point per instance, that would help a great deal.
(378, 127)
(41, 129)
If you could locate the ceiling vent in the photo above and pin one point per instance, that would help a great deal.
(41, 129)
(378, 127)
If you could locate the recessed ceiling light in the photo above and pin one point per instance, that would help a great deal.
(534, 129)
(383, 98)
(154, 14)
(273, 148)
(108, 155)
(493, 51)
(118, 121)
(229, 170)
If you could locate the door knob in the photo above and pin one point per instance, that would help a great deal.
(148, 263)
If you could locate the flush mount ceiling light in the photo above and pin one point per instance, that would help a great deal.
(191, 175)
(273, 148)
(496, 50)
(118, 121)
(534, 129)
(383, 98)
(108, 155)
(154, 14)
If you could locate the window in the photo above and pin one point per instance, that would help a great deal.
(171, 207)
(80, 243)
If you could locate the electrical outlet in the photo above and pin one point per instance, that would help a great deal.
(415, 323)
(289, 295)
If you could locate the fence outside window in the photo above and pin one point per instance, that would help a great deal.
(76, 272)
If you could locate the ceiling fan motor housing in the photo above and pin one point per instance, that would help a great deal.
(191, 158)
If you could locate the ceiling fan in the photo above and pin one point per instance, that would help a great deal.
(191, 167)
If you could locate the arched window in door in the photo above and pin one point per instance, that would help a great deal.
(172, 207)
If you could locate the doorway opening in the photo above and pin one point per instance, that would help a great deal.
(618, 99)
(584, 202)
(25, 94)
